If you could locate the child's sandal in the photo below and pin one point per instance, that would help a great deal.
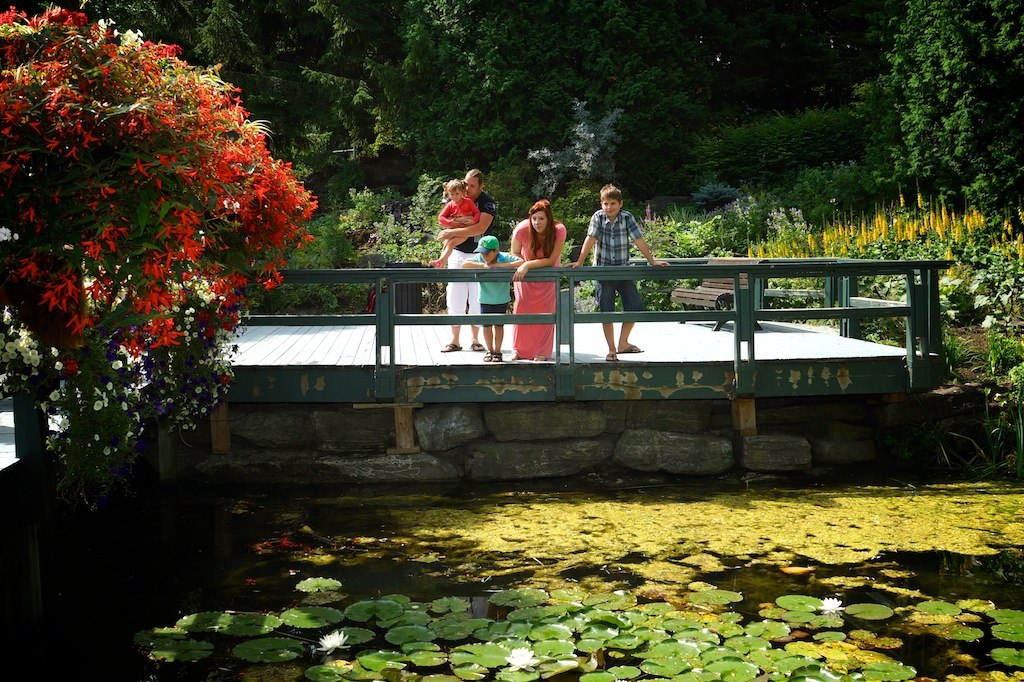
(496, 357)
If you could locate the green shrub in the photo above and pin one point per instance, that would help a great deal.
(715, 195)
(1004, 353)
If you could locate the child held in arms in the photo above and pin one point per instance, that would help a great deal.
(494, 296)
(459, 204)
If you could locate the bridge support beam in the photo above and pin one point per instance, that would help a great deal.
(405, 433)
(744, 417)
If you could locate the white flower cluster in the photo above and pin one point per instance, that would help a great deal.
(20, 357)
(6, 235)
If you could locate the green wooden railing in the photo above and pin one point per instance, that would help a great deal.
(840, 284)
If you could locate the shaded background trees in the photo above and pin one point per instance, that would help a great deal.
(904, 94)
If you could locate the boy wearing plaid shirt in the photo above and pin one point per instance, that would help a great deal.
(609, 234)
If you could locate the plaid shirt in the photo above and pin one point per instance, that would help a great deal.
(612, 247)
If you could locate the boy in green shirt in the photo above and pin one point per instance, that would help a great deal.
(494, 296)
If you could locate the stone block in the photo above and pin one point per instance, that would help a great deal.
(444, 427)
(543, 421)
(416, 468)
(775, 453)
(504, 461)
(681, 416)
(675, 453)
(348, 430)
(841, 451)
(942, 403)
(265, 426)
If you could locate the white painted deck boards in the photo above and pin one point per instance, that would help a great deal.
(661, 341)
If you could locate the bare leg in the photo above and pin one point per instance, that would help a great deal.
(474, 332)
(489, 339)
(456, 332)
(609, 335)
(499, 338)
(627, 327)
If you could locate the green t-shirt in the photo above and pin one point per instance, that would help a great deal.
(495, 293)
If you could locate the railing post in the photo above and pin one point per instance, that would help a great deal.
(924, 334)
(848, 327)
(744, 334)
(565, 386)
(384, 372)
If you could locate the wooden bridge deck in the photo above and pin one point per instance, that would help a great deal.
(662, 342)
(680, 360)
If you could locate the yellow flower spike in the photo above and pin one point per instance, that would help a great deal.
(920, 201)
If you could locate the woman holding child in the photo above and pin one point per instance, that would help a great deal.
(538, 240)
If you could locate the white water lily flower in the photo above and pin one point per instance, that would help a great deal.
(520, 659)
(831, 605)
(332, 641)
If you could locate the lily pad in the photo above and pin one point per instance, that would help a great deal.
(1006, 615)
(268, 650)
(527, 596)
(206, 621)
(666, 666)
(550, 631)
(1009, 632)
(318, 585)
(714, 596)
(366, 610)
(938, 608)
(146, 638)
(450, 605)
(769, 629)
(410, 633)
(327, 673)
(890, 671)
(625, 672)
(554, 648)
(488, 655)
(799, 602)
(617, 600)
(312, 617)
(733, 669)
(958, 631)
(180, 650)
(379, 659)
(1008, 656)
(458, 628)
(355, 635)
(869, 611)
(252, 624)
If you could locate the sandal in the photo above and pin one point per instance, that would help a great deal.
(478, 347)
(611, 357)
(496, 357)
(451, 348)
(488, 357)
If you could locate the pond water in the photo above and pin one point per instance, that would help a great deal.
(145, 562)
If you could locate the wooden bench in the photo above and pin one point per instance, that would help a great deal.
(714, 293)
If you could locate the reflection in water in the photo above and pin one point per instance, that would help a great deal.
(146, 562)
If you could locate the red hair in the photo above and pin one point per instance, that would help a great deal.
(547, 240)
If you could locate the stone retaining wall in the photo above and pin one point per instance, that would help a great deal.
(316, 443)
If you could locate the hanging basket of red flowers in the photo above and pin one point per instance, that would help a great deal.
(123, 169)
(137, 202)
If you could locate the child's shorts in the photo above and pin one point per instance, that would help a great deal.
(627, 291)
(494, 309)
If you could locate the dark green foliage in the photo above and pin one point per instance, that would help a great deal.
(957, 74)
(576, 205)
(772, 151)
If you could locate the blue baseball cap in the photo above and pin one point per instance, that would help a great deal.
(488, 243)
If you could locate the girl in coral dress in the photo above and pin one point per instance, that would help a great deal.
(538, 240)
